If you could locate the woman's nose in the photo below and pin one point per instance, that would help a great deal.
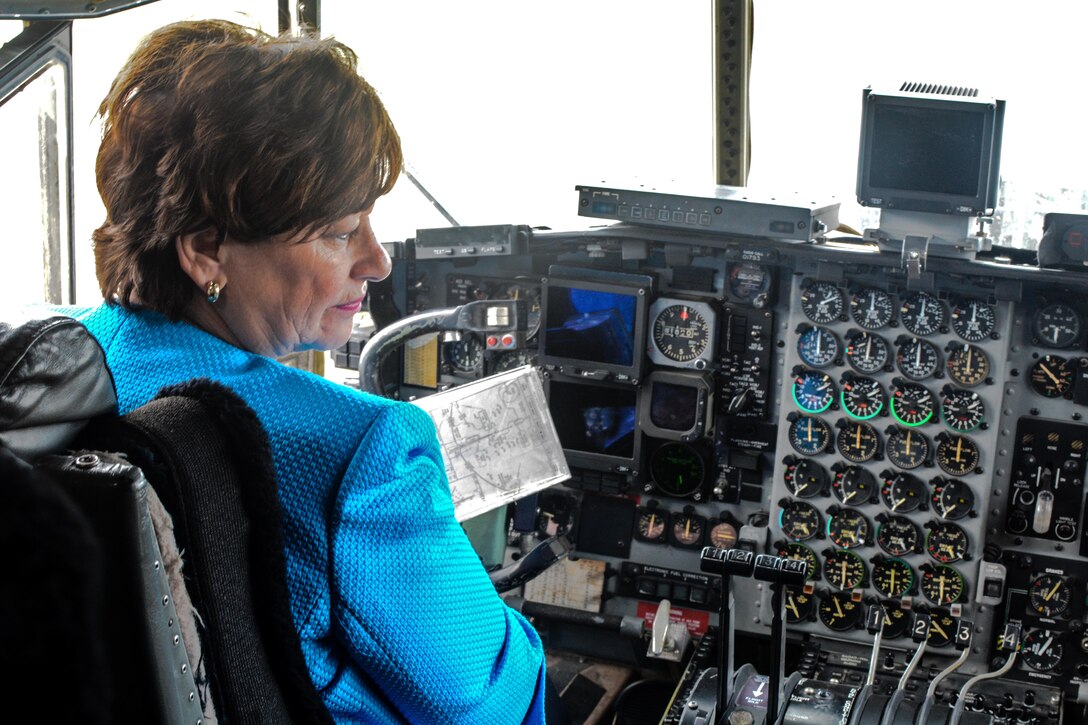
(372, 263)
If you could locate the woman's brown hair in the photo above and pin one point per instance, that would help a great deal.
(213, 125)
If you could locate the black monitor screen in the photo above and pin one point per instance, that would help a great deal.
(594, 419)
(926, 149)
(674, 407)
(591, 325)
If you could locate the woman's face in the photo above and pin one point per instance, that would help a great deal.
(301, 292)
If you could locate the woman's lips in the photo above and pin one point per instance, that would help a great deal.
(353, 306)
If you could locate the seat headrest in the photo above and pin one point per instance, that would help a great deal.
(53, 379)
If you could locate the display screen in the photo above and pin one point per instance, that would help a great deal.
(590, 325)
(926, 149)
(674, 407)
(594, 419)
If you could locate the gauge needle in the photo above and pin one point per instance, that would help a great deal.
(918, 355)
(792, 606)
(804, 528)
(1049, 374)
(868, 346)
(891, 586)
(970, 355)
(1052, 592)
(1045, 646)
(847, 534)
(959, 450)
(908, 441)
(838, 607)
(934, 625)
(940, 593)
(847, 497)
(857, 437)
(808, 431)
(843, 574)
(897, 502)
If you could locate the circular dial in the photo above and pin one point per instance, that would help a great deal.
(861, 397)
(854, 485)
(917, 358)
(800, 552)
(806, 478)
(466, 353)
(962, 410)
(973, 320)
(813, 391)
(798, 520)
(822, 302)
(922, 314)
(898, 536)
(903, 493)
(941, 584)
(1051, 376)
(848, 528)
(809, 435)
(513, 359)
(531, 295)
(892, 577)
(844, 570)
(681, 333)
(967, 364)
(800, 606)
(952, 499)
(942, 628)
(866, 352)
(748, 281)
(1042, 650)
(818, 347)
(1056, 325)
(1049, 595)
(839, 612)
(687, 530)
(956, 455)
(857, 441)
(677, 469)
(946, 542)
(906, 447)
(723, 535)
(872, 308)
(896, 619)
(911, 403)
(651, 525)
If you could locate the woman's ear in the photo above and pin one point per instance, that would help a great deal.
(199, 254)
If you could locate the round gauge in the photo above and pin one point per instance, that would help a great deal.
(809, 435)
(853, 485)
(723, 535)
(513, 359)
(822, 302)
(1049, 595)
(800, 552)
(1051, 376)
(866, 352)
(813, 391)
(941, 584)
(906, 447)
(962, 410)
(911, 403)
(1056, 325)
(872, 308)
(892, 577)
(973, 320)
(897, 535)
(856, 441)
(805, 478)
(687, 530)
(903, 493)
(946, 542)
(967, 364)
(839, 612)
(942, 628)
(956, 455)
(748, 281)
(677, 469)
(922, 314)
(916, 358)
(681, 333)
(818, 347)
(651, 525)
(531, 295)
(556, 514)
(465, 353)
(847, 528)
(952, 499)
(1042, 650)
(861, 397)
(798, 520)
(800, 607)
(896, 619)
(844, 570)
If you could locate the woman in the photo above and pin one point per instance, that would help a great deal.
(238, 172)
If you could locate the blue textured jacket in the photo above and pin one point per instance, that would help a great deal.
(398, 619)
